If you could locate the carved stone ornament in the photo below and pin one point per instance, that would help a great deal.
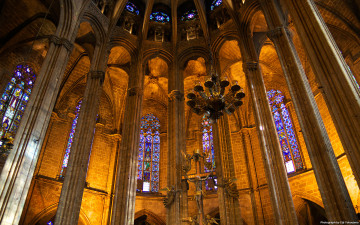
(132, 91)
(61, 41)
(175, 94)
(97, 75)
(251, 66)
(277, 32)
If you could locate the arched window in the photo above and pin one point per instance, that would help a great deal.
(14, 99)
(70, 141)
(131, 7)
(149, 154)
(189, 15)
(159, 17)
(215, 4)
(286, 134)
(207, 142)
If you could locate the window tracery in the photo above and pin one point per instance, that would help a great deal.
(189, 15)
(149, 154)
(131, 7)
(160, 17)
(285, 131)
(14, 100)
(215, 4)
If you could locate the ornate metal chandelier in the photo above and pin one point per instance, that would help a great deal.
(213, 101)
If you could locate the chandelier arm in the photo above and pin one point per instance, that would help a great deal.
(222, 91)
(203, 95)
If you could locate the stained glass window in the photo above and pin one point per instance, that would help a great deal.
(159, 17)
(189, 15)
(215, 4)
(286, 134)
(149, 154)
(70, 140)
(14, 99)
(207, 142)
(50, 223)
(211, 184)
(131, 7)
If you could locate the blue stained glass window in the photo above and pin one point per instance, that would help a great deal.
(189, 15)
(70, 140)
(131, 7)
(50, 223)
(215, 4)
(286, 134)
(14, 99)
(207, 142)
(159, 17)
(149, 153)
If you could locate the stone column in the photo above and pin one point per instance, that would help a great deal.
(74, 183)
(176, 142)
(333, 75)
(251, 171)
(20, 165)
(336, 199)
(125, 188)
(229, 205)
(280, 194)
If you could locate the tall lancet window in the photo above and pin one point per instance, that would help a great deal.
(207, 142)
(149, 154)
(70, 140)
(285, 130)
(14, 99)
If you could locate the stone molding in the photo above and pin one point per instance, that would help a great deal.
(61, 41)
(93, 10)
(277, 33)
(175, 94)
(97, 75)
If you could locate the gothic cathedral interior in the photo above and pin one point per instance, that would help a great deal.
(199, 112)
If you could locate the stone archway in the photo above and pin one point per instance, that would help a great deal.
(146, 217)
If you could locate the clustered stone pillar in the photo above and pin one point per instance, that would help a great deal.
(331, 71)
(176, 134)
(20, 165)
(125, 187)
(331, 184)
(74, 183)
(229, 205)
(280, 194)
(251, 171)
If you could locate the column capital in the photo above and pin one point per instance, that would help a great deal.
(61, 41)
(251, 66)
(133, 91)
(97, 74)
(175, 94)
(277, 32)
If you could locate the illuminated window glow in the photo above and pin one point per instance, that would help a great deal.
(159, 17)
(14, 99)
(149, 153)
(70, 140)
(131, 7)
(189, 15)
(215, 4)
(286, 134)
(207, 142)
